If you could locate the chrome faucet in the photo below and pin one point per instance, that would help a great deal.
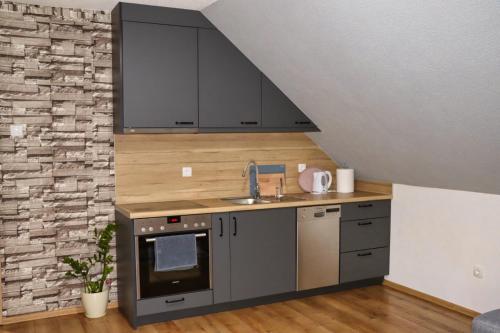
(257, 186)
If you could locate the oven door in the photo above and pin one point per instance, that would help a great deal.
(154, 284)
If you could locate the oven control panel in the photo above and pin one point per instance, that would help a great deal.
(169, 224)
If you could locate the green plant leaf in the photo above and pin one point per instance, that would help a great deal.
(81, 268)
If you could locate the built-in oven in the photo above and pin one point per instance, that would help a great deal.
(154, 283)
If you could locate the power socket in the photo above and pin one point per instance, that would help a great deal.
(17, 130)
(477, 272)
(301, 167)
(187, 172)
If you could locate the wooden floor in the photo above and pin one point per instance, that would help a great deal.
(371, 309)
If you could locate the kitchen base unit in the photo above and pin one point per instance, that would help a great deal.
(200, 311)
(244, 258)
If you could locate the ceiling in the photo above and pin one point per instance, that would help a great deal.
(109, 4)
(403, 91)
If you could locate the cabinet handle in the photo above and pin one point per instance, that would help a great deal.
(235, 226)
(364, 254)
(221, 227)
(365, 205)
(184, 122)
(175, 300)
(364, 223)
(249, 122)
(302, 123)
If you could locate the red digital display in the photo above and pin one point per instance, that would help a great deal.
(173, 219)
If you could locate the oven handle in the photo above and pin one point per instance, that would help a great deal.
(152, 240)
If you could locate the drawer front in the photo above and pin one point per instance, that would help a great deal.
(365, 234)
(366, 210)
(365, 264)
(175, 302)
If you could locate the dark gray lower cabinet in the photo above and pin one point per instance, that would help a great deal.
(254, 254)
(262, 252)
(365, 234)
(221, 279)
(366, 210)
(174, 302)
(360, 265)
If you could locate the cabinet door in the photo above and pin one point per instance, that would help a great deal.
(366, 264)
(160, 79)
(366, 210)
(229, 84)
(263, 253)
(220, 258)
(279, 111)
(365, 234)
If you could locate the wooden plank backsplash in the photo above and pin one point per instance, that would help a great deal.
(149, 166)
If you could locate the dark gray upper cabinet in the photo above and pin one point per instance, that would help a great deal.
(278, 111)
(174, 72)
(229, 84)
(160, 80)
(263, 253)
(163, 15)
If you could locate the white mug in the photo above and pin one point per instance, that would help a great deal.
(322, 181)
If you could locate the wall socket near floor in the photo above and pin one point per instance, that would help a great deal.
(477, 272)
(187, 171)
(301, 167)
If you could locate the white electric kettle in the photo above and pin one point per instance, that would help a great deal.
(322, 181)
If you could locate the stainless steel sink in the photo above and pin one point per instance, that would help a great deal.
(246, 201)
(264, 200)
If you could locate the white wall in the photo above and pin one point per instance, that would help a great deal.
(438, 235)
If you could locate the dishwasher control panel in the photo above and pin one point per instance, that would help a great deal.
(317, 212)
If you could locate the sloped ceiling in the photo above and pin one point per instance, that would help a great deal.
(404, 91)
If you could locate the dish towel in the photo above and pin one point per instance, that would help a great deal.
(176, 252)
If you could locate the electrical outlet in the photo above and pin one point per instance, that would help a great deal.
(17, 130)
(477, 272)
(187, 171)
(301, 167)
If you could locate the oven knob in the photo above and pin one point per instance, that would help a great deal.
(202, 224)
(143, 229)
(162, 228)
(196, 225)
(185, 226)
(151, 229)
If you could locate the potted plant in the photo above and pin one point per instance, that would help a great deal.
(95, 292)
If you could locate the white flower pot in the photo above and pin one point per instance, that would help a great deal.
(95, 304)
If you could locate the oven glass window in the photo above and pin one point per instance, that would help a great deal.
(153, 284)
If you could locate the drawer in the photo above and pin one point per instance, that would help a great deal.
(174, 302)
(366, 210)
(365, 264)
(365, 234)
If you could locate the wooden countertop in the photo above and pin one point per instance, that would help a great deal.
(208, 206)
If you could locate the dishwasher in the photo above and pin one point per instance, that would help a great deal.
(318, 230)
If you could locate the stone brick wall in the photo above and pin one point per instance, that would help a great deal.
(57, 181)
